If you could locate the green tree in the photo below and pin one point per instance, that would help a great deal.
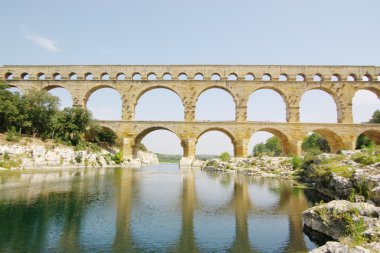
(225, 156)
(271, 147)
(375, 117)
(315, 143)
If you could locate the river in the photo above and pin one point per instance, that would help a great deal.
(153, 209)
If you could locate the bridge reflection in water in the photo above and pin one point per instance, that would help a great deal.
(126, 210)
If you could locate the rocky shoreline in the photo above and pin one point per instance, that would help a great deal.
(349, 226)
(40, 156)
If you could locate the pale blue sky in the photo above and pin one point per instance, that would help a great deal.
(339, 32)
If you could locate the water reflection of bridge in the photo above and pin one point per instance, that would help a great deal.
(289, 202)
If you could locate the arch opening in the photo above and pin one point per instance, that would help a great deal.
(14, 90)
(182, 77)
(367, 78)
(170, 107)
(364, 104)
(152, 76)
(167, 77)
(232, 77)
(136, 77)
(8, 76)
(335, 78)
(105, 103)
(317, 78)
(352, 78)
(198, 77)
(120, 76)
(152, 139)
(65, 98)
(283, 77)
(249, 77)
(266, 105)
(266, 77)
(318, 106)
(41, 76)
(322, 141)
(215, 77)
(215, 104)
(105, 76)
(25, 76)
(89, 76)
(57, 76)
(73, 76)
(270, 142)
(300, 77)
(213, 142)
(368, 139)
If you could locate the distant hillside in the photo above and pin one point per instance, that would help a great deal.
(166, 158)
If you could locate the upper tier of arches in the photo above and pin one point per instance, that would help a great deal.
(183, 73)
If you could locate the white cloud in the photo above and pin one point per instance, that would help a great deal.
(43, 42)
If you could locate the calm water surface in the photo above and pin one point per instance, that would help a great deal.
(154, 209)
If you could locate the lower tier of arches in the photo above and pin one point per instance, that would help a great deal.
(290, 135)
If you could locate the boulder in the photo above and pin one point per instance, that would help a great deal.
(334, 218)
(147, 158)
(336, 247)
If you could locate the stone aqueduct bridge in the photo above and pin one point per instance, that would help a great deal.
(188, 82)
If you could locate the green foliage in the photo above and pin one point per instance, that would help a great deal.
(165, 158)
(296, 162)
(315, 143)
(225, 156)
(79, 157)
(118, 158)
(108, 136)
(367, 158)
(375, 117)
(212, 163)
(271, 147)
(364, 142)
(355, 229)
(12, 135)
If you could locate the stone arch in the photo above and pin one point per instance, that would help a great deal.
(199, 76)
(283, 77)
(91, 137)
(336, 78)
(333, 139)
(271, 88)
(41, 76)
(363, 104)
(136, 76)
(249, 77)
(120, 76)
(301, 77)
(373, 135)
(57, 76)
(151, 76)
(25, 76)
(266, 77)
(216, 87)
(73, 76)
(8, 76)
(140, 136)
(215, 77)
(182, 76)
(111, 108)
(233, 77)
(352, 77)
(222, 130)
(167, 76)
(104, 76)
(64, 100)
(318, 77)
(88, 76)
(96, 88)
(287, 147)
(171, 90)
(333, 95)
(367, 78)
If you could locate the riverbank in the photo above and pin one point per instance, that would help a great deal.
(351, 178)
(33, 153)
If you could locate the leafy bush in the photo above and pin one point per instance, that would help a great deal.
(271, 147)
(118, 158)
(225, 156)
(296, 162)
